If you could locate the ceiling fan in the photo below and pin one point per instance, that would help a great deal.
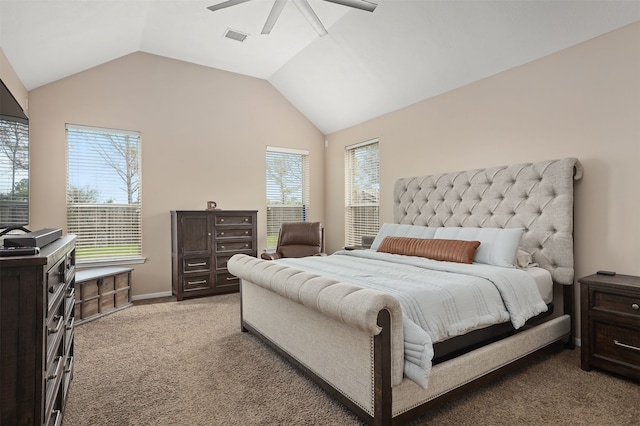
(303, 6)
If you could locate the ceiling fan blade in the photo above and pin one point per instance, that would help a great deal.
(276, 10)
(311, 16)
(226, 4)
(358, 4)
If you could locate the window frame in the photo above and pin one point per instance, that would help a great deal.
(366, 223)
(300, 211)
(115, 246)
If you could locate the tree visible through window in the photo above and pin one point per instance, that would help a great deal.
(14, 185)
(104, 193)
(287, 189)
(362, 197)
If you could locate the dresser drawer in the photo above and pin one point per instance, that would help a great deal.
(233, 233)
(617, 303)
(193, 264)
(55, 330)
(226, 279)
(222, 260)
(53, 379)
(617, 343)
(196, 282)
(234, 245)
(55, 285)
(234, 220)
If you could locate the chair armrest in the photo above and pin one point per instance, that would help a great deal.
(270, 256)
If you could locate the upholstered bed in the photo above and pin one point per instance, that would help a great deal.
(356, 337)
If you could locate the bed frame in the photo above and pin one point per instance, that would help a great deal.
(349, 339)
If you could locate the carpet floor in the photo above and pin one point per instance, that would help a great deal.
(188, 363)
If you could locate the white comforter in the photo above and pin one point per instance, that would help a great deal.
(439, 299)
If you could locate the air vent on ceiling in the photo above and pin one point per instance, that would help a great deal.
(235, 35)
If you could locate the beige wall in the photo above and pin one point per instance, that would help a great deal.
(204, 137)
(581, 102)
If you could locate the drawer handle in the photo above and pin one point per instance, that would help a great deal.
(54, 374)
(246, 219)
(196, 282)
(197, 264)
(222, 233)
(246, 232)
(221, 220)
(60, 319)
(221, 247)
(232, 278)
(635, 306)
(624, 345)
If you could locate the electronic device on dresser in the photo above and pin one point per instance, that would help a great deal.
(38, 238)
(36, 334)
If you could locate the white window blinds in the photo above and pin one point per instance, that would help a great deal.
(362, 192)
(104, 193)
(287, 189)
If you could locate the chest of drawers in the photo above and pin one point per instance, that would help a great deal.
(36, 334)
(202, 242)
(610, 324)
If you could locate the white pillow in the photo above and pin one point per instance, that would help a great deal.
(498, 246)
(402, 230)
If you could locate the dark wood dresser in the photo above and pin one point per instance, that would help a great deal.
(202, 242)
(36, 334)
(610, 323)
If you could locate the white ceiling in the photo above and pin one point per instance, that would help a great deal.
(369, 63)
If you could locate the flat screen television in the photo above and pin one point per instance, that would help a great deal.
(14, 163)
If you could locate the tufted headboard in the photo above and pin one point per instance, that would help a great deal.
(535, 196)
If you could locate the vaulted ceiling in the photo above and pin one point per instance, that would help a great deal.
(368, 64)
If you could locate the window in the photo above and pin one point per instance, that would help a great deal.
(362, 192)
(14, 172)
(287, 189)
(104, 193)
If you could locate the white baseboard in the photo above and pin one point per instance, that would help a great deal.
(152, 295)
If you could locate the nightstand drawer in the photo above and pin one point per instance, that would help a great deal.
(606, 301)
(616, 343)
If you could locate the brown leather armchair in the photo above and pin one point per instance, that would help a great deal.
(298, 239)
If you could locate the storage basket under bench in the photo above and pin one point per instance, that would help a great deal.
(101, 291)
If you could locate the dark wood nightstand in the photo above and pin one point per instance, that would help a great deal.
(610, 323)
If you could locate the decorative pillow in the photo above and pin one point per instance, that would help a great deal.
(498, 245)
(401, 230)
(436, 249)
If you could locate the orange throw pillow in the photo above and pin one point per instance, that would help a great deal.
(446, 250)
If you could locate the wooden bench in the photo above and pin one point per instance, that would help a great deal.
(101, 291)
